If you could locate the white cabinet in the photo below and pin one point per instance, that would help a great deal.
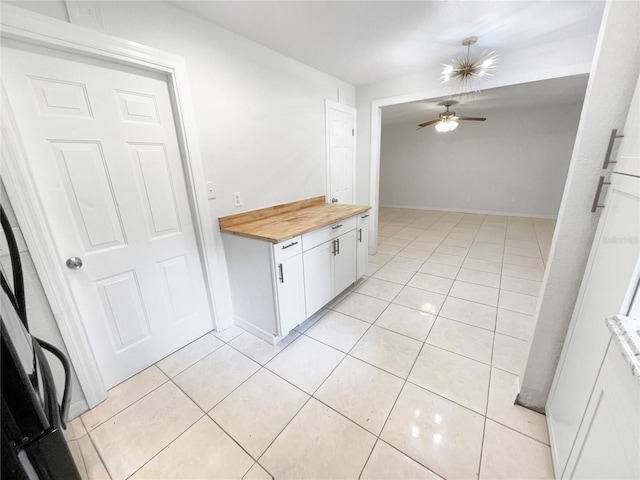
(344, 273)
(628, 158)
(362, 245)
(275, 287)
(289, 286)
(607, 442)
(267, 284)
(330, 267)
(608, 274)
(318, 272)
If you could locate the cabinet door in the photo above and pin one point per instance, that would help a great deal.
(345, 262)
(609, 271)
(362, 250)
(607, 443)
(318, 277)
(290, 290)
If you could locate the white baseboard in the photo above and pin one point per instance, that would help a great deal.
(224, 324)
(258, 332)
(77, 408)
(478, 212)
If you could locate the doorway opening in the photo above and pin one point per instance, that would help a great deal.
(465, 218)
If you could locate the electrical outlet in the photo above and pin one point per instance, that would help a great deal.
(237, 199)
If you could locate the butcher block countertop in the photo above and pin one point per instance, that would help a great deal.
(282, 222)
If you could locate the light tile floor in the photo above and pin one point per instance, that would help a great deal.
(411, 373)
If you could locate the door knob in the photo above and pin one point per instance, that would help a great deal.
(74, 263)
(334, 200)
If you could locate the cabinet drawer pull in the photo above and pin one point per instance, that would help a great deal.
(596, 199)
(280, 269)
(290, 245)
(360, 235)
(336, 226)
(607, 157)
(364, 216)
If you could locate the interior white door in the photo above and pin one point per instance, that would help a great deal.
(341, 125)
(102, 147)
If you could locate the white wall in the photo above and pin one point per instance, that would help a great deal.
(513, 163)
(260, 115)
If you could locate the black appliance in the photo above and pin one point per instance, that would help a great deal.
(33, 443)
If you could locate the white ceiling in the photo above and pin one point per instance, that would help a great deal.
(363, 42)
(551, 94)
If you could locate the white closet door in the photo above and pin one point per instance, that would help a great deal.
(102, 147)
(341, 124)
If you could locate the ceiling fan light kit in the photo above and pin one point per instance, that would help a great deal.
(446, 126)
(468, 70)
(447, 121)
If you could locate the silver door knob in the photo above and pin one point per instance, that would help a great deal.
(334, 200)
(74, 263)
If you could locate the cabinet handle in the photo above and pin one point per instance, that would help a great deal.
(336, 226)
(607, 156)
(338, 243)
(364, 216)
(360, 235)
(596, 199)
(333, 242)
(281, 273)
(290, 245)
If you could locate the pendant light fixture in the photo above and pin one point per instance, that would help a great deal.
(467, 71)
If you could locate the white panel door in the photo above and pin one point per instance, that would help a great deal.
(609, 271)
(102, 147)
(341, 124)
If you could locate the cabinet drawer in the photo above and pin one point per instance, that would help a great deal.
(287, 249)
(363, 218)
(317, 237)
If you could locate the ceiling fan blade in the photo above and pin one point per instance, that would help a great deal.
(426, 124)
(476, 119)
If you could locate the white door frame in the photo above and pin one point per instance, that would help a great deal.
(341, 107)
(21, 25)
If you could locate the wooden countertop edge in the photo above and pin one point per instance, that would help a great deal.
(242, 229)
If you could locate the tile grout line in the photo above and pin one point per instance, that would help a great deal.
(167, 445)
(484, 425)
(371, 324)
(406, 380)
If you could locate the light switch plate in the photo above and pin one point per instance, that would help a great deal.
(211, 195)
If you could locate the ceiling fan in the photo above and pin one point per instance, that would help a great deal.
(448, 121)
